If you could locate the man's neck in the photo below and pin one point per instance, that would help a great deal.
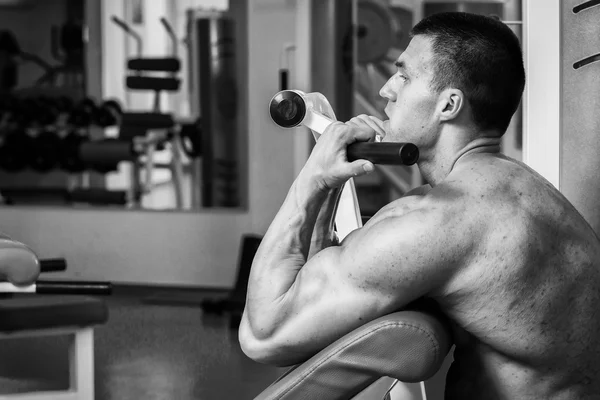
(441, 160)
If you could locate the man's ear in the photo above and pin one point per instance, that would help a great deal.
(452, 102)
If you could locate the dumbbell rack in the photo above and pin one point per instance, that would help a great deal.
(42, 129)
(150, 131)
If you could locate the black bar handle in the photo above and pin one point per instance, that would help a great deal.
(53, 265)
(73, 287)
(384, 153)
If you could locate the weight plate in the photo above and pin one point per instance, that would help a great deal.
(377, 29)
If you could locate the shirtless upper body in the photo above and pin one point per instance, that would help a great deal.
(524, 299)
(504, 254)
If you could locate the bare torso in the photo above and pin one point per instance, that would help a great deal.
(524, 304)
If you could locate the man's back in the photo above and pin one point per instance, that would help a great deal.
(525, 303)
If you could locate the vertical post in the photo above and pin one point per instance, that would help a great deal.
(93, 48)
(333, 51)
(81, 363)
(301, 78)
(541, 106)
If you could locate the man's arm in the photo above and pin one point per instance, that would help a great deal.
(324, 234)
(380, 268)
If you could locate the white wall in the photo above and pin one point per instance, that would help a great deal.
(179, 248)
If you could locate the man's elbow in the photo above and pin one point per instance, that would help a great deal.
(262, 350)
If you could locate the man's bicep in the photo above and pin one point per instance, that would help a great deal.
(378, 269)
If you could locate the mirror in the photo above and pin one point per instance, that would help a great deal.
(143, 104)
(130, 104)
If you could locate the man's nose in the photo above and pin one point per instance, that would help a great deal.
(386, 92)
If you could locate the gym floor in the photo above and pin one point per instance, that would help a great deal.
(157, 344)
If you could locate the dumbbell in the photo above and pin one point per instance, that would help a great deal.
(45, 151)
(63, 104)
(69, 159)
(17, 112)
(37, 110)
(6, 105)
(82, 114)
(15, 151)
(108, 113)
(47, 111)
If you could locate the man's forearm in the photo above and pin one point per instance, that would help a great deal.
(283, 251)
(324, 233)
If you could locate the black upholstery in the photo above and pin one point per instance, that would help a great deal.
(31, 312)
(407, 345)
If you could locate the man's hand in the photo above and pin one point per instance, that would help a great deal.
(328, 162)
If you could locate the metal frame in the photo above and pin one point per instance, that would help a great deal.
(81, 365)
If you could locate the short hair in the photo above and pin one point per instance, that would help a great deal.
(482, 57)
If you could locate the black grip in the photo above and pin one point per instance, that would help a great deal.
(53, 265)
(384, 153)
(73, 287)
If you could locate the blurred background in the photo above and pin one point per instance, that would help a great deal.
(150, 104)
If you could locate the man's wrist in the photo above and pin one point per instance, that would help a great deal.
(309, 183)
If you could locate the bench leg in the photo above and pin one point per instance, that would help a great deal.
(81, 369)
(81, 360)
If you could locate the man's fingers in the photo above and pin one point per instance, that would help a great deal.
(361, 167)
(380, 124)
(369, 122)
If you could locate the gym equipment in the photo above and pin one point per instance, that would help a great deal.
(75, 317)
(67, 45)
(213, 92)
(139, 65)
(108, 113)
(15, 152)
(82, 114)
(376, 32)
(59, 287)
(152, 131)
(105, 154)
(191, 138)
(168, 64)
(9, 72)
(45, 151)
(70, 160)
(90, 196)
(419, 335)
(290, 108)
(234, 303)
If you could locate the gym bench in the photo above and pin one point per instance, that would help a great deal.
(26, 316)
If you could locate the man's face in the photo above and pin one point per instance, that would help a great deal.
(411, 102)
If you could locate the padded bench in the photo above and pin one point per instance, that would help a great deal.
(41, 315)
(408, 346)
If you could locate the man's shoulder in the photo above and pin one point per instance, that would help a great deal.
(427, 211)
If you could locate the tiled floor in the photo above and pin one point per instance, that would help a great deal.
(147, 351)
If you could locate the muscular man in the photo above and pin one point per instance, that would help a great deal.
(505, 255)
